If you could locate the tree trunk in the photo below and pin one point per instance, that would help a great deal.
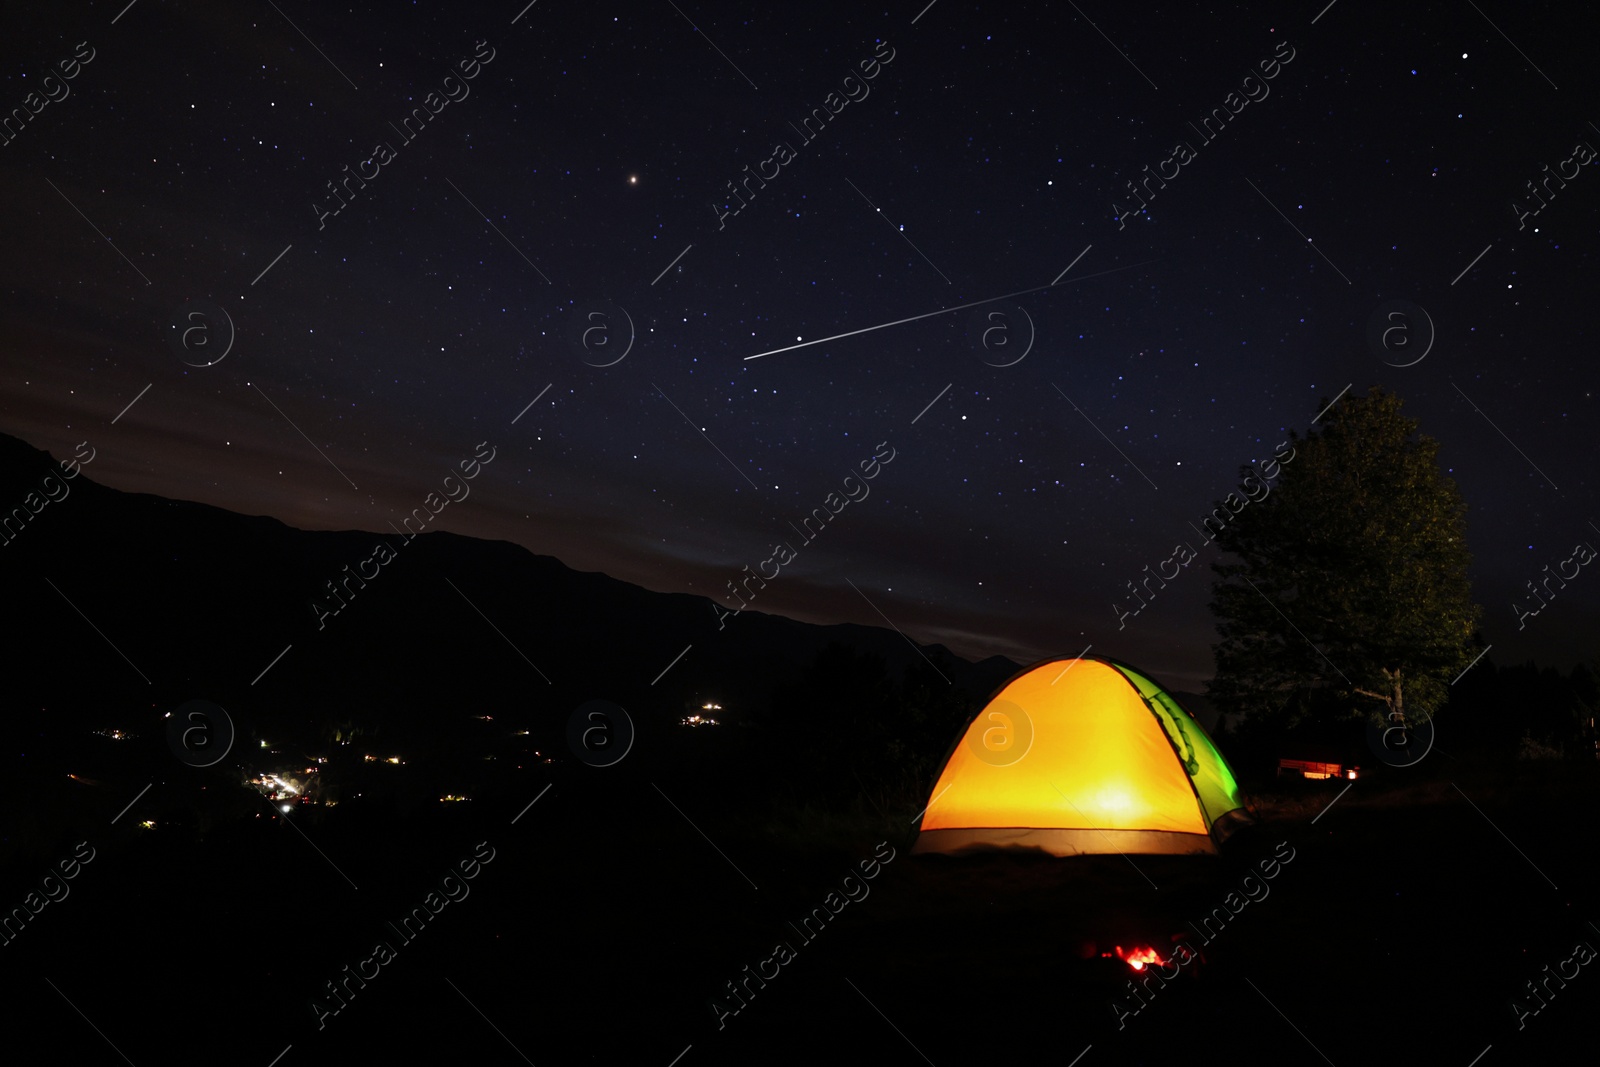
(1394, 699)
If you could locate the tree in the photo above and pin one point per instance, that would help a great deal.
(1349, 576)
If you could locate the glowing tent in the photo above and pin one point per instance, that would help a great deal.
(1082, 755)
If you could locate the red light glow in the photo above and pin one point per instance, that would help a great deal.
(1139, 958)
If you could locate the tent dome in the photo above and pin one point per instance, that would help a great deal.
(1082, 755)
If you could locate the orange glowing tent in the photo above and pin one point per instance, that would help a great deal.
(1082, 755)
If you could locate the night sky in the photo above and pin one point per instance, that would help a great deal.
(576, 160)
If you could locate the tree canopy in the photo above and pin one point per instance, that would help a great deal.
(1350, 578)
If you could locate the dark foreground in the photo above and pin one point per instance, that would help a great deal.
(603, 926)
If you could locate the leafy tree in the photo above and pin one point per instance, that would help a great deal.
(1348, 577)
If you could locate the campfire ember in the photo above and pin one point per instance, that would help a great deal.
(1137, 958)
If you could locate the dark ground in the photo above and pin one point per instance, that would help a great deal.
(1400, 931)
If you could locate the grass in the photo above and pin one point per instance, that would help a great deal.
(1572, 786)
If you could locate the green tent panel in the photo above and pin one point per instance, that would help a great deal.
(1082, 755)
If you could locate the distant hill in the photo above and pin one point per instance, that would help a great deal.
(198, 601)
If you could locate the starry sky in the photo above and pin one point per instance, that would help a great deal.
(673, 370)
